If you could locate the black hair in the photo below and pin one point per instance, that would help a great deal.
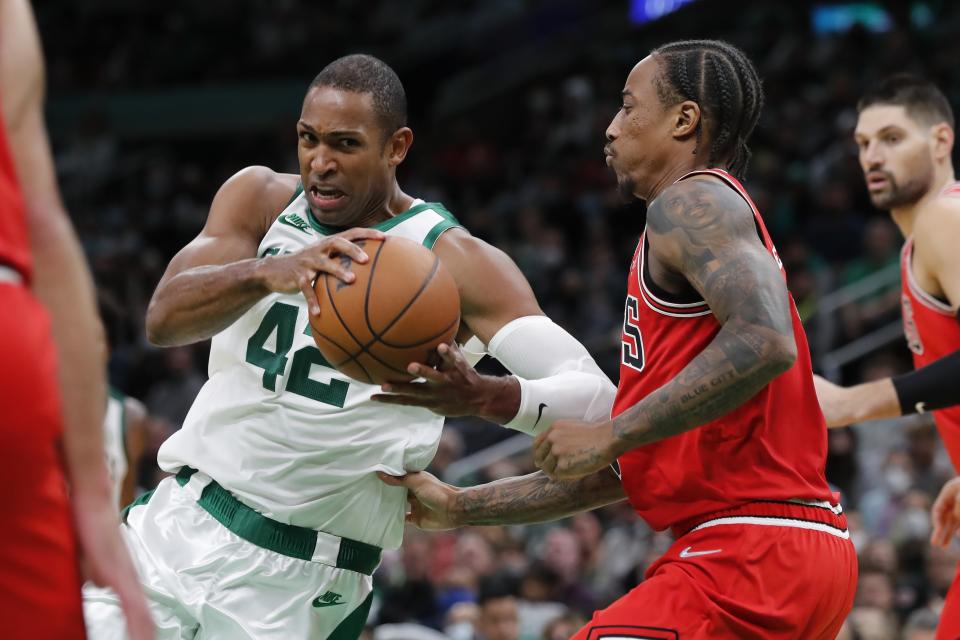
(362, 73)
(724, 83)
(496, 586)
(922, 100)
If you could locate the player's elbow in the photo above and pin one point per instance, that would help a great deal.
(158, 325)
(781, 354)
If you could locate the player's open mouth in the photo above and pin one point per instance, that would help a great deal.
(326, 197)
(877, 181)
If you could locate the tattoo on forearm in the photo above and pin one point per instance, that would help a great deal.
(713, 233)
(537, 498)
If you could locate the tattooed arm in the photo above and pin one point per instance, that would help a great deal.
(702, 231)
(520, 500)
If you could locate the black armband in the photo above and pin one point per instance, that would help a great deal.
(935, 386)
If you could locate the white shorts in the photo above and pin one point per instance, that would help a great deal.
(203, 580)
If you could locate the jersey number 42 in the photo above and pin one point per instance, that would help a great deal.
(282, 318)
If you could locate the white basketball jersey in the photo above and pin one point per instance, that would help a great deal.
(287, 434)
(115, 441)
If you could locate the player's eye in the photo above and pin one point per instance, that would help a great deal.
(349, 142)
(306, 136)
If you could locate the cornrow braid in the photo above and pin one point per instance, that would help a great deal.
(722, 80)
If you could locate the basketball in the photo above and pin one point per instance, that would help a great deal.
(402, 305)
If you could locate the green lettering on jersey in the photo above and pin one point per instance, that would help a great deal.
(282, 318)
(295, 221)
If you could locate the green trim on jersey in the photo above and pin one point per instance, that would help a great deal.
(287, 539)
(438, 229)
(120, 397)
(295, 195)
(352, 625)
(389, 223)
(144, 498)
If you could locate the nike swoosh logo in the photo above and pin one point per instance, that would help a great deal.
(543, 405)
(686, 553)
(318, 603)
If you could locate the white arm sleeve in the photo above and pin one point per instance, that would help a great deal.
(558, 378)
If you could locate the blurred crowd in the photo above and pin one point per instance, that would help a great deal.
(522, 168)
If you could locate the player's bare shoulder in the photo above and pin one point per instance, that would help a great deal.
(935, 261)
(253, 198)
(696, 213)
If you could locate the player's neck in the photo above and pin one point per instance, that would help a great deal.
(905, 217)
(396, 203)
(667, 178)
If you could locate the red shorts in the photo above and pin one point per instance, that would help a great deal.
(764, 578)
(949, 627)
(39, 576)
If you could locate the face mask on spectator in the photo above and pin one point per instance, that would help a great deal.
(459, 631)
(897, 480)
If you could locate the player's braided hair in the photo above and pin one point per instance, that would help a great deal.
(722, 80)
(362, 73)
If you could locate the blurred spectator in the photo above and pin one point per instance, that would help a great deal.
(538, 604)
(172, 395)
(564, 627)
(921, 625)
(499, 618)
(868, 623)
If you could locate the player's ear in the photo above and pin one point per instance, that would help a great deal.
(398, 144)
(687, 117)
(942, 138)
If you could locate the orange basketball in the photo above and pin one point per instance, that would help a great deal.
(401, 306)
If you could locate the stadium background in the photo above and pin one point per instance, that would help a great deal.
(153, 105)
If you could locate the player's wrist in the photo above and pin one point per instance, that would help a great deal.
(261, 272)
(874, 400)
(456, 514)
(499, 401)
(614, 445)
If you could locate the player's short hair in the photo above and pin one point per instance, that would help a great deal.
(722, 80)
(921, 99)
(362, 73)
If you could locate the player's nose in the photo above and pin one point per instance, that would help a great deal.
(322, 161)
(872, 157)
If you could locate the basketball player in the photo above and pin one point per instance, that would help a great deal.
(275, 518)
(905, 134)
(124, 439)
(716, 433)
(48, 325)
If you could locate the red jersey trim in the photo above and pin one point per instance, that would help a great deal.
(922, 296)
(952, 190)
(729, 179)
(672, 309)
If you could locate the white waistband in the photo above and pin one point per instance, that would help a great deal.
(9, 274)
(775, 522)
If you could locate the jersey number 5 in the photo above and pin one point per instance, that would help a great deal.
(282, 318)
(632, 340)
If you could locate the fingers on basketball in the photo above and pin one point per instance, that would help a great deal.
(402, 305)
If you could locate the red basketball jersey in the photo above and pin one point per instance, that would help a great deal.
(932, 331)
(14, 244)
(772, 448)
